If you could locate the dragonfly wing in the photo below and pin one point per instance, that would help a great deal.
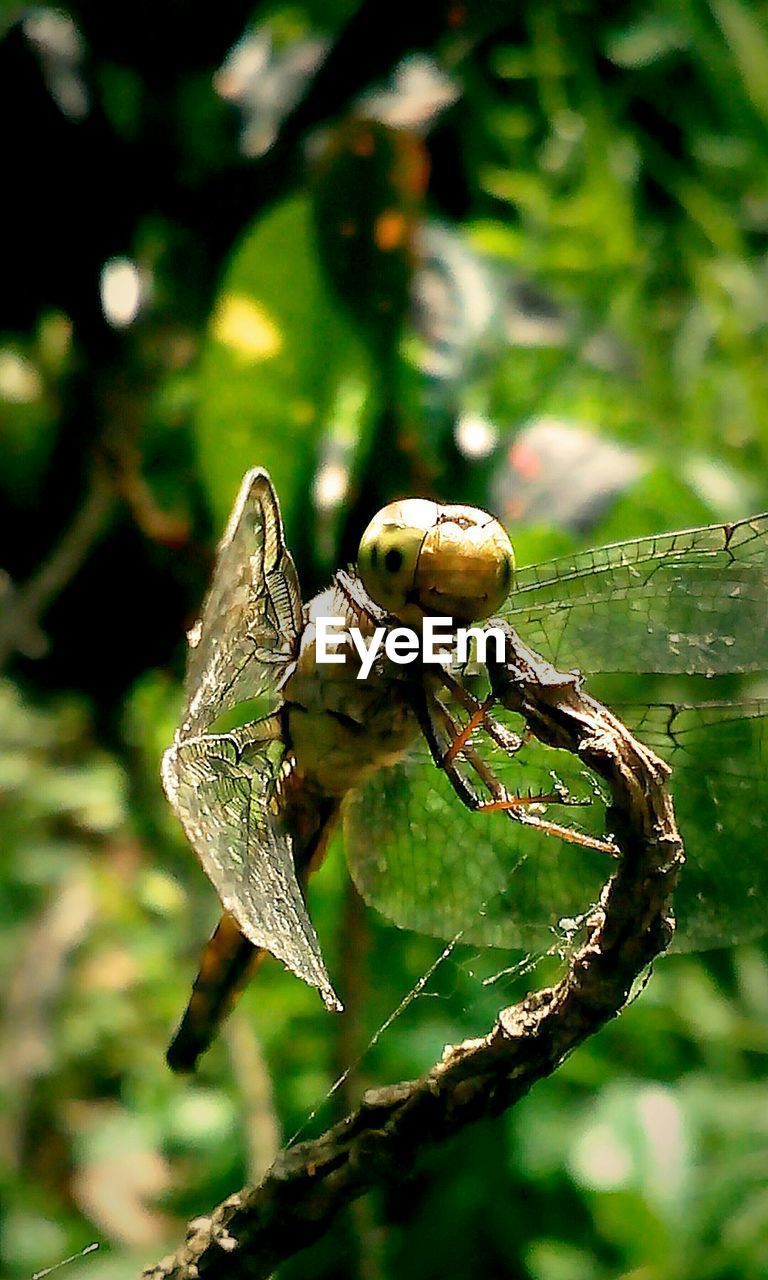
(251, 617)
(719, 758)
(222, 802)
(693, 603)
(689, 602)
(428, 863)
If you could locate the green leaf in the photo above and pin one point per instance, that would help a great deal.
(279, 359)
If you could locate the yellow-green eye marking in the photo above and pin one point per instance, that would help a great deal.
(418, 558)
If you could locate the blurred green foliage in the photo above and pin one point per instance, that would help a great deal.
(598, 212)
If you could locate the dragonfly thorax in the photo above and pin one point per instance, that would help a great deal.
(341, 728)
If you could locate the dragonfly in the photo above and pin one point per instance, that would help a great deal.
(455, 820)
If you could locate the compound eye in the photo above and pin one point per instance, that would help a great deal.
(389, 551)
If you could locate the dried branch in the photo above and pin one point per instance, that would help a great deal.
(255, 1229)
(25, 607)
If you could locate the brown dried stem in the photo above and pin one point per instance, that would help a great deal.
(25, 607)
(256, 1228)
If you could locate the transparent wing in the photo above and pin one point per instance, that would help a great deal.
(719, 758)
(245, 639)
(688, 602)
(223, 803)
(251, 616)
(429, 864)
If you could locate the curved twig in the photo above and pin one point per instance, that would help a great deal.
(255, 1229)
(25, 607)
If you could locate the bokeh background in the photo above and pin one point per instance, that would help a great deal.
(511, 255)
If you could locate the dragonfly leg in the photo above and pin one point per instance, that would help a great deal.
(461, 739)
(479, 717)
(568, 834)
(517, 807)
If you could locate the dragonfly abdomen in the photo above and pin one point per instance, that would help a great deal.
(227, 964)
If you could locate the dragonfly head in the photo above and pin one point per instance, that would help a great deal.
(417, 558)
